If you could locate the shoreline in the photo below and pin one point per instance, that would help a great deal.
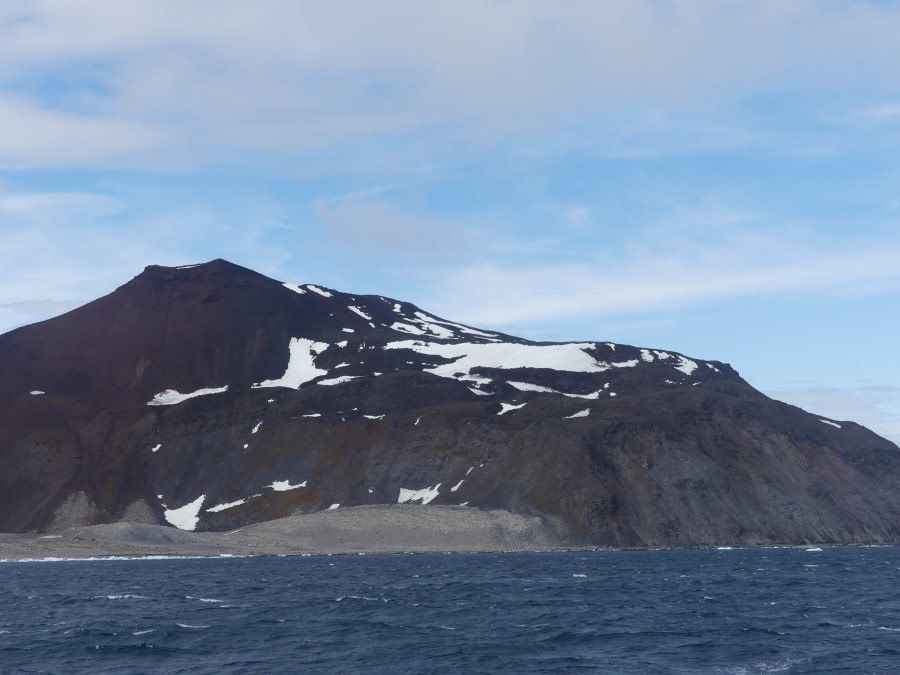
(360, 530)
(112, 557)
(352, 530)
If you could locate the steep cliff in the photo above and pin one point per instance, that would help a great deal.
(210, 396)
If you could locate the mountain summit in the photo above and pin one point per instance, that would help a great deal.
(208, 397)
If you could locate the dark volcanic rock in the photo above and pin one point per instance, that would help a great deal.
(213, 397)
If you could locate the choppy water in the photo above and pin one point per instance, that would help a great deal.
(728, 611)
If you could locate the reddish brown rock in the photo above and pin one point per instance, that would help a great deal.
(685, 453)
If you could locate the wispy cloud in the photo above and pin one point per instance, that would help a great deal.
(172, 84)
(361, 227)
(882, 111)
(676, 274)
(58, 139)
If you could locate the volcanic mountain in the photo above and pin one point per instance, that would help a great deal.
(209, 397)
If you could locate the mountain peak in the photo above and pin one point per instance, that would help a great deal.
(217, 267)
(210, 396)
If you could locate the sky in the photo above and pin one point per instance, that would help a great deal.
(717, 178)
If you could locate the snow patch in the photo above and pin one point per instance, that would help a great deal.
(646, 355)
(301, 367)
(461, 328)
(256, 428)
(430, 324)
(406, 328)
(457, 486)
(313, 415)
(37, 392)
(186, 517)
(357, 310)
(834, 424)
(662, 356)
(685, 365)
(171, 397)
(348, 330)
(223, 507)
(373, 417)
(581, 413)
(284, 485)
(296, 289)
(479, 392)
(156, 447)
(467, 356)
(473, 331)
(316, 289)
(506, 407)
(526, 386)
(425, 495)
(337, 380)
(333, 506)
(625, 364)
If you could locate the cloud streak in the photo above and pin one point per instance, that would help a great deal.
(173, 84)
(672, 276)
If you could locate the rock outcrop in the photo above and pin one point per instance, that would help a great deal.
(210, 397)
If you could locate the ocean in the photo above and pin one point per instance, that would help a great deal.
(785, 610)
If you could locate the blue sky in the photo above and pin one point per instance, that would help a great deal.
(716, 178)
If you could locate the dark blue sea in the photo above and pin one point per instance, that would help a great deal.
(721, 611)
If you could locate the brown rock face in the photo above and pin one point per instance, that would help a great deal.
(220, 397)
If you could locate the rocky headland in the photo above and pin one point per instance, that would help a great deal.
(208, 407)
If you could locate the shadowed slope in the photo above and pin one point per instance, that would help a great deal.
(211, 397)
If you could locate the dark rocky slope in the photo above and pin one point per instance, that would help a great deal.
(302, 398)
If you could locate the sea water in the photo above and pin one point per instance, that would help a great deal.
(727, 611)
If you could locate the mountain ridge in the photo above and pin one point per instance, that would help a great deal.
(269, 399)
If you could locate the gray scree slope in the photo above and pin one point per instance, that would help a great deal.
(211, 397)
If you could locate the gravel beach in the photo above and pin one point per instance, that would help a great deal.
(360, 529)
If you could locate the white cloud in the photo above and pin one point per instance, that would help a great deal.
(54, 139)
(163, 83)
(672, 274)
(383, 235)
(891, 110)
(31, 207)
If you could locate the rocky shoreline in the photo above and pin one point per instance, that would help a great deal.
(361, 529)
